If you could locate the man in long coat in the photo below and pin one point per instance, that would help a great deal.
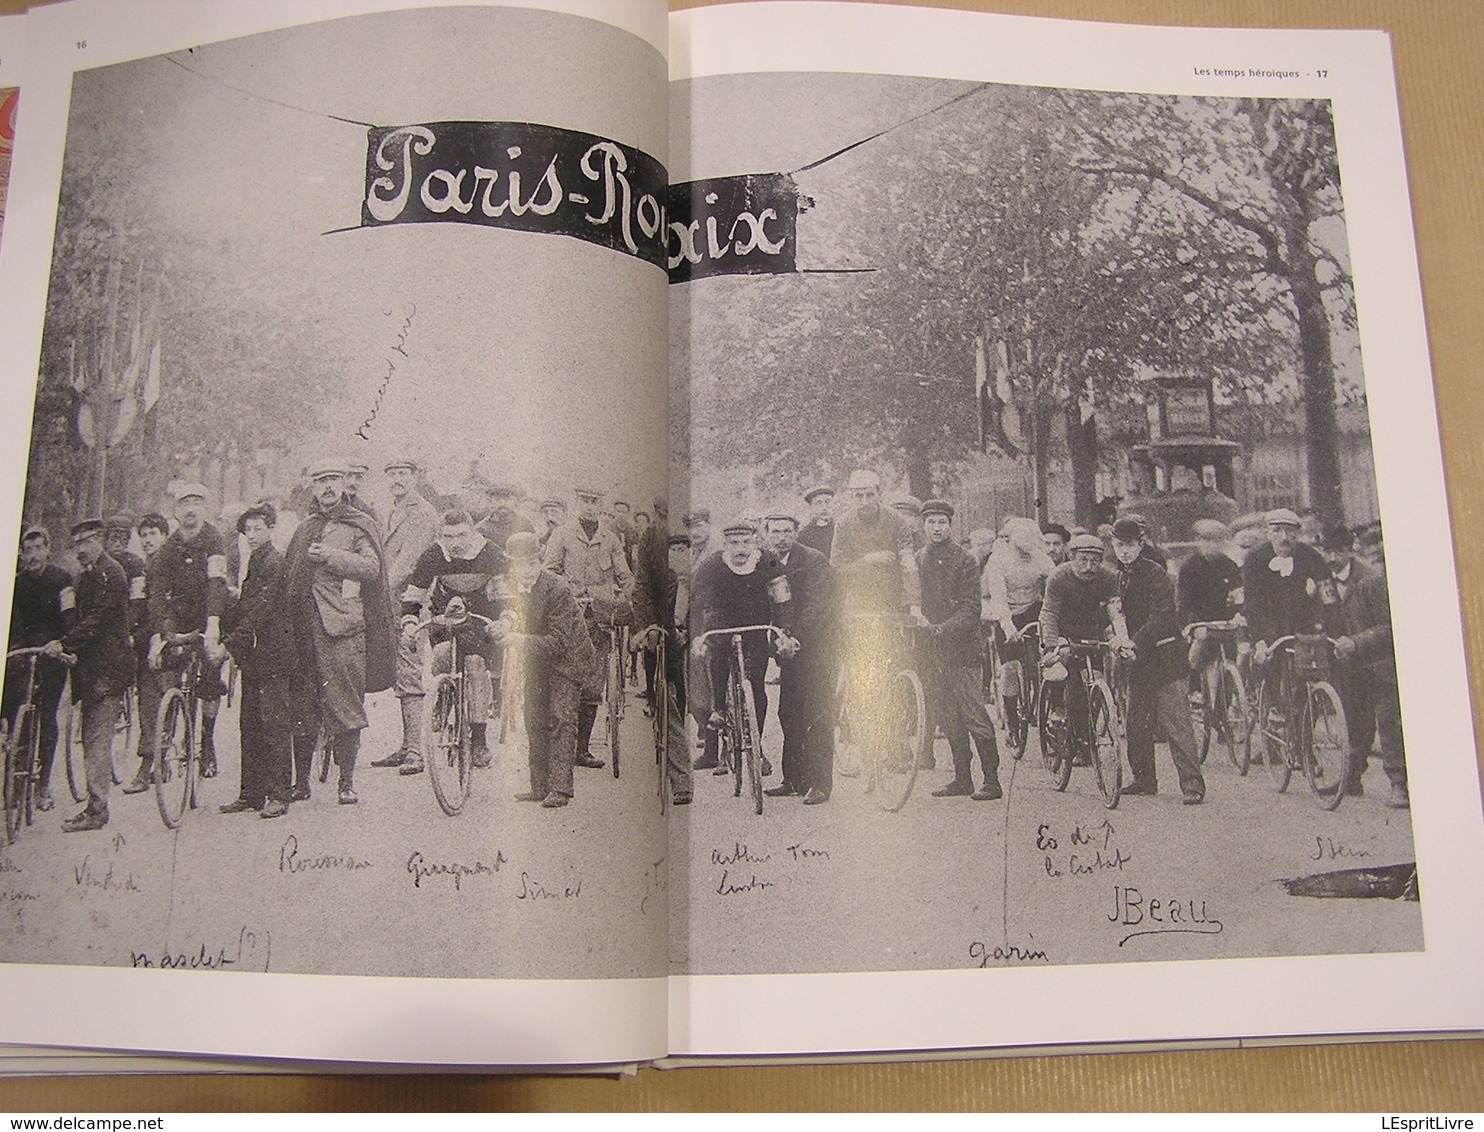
(338, 598)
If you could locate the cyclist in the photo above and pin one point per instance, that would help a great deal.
(104, 668)
(741, 584)
(458, 574)
(590, 556)
(188, 594)
(662, 584)
(1083, 604)
(1208, 587)
(153, 530)
(1286, 586)
(1157, 676)
(44, 609)
(1011, 589)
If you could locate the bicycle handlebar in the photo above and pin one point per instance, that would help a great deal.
(772, 630)
(1230, 626)
(65, 658)
(443, 621)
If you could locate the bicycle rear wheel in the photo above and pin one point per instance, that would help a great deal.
(174, 766)
(903, 730)
(847, 735)
(1107, 741)
(1233, 718)
(1014, 708)
(445, 746)
(71, 728)
(752, 743)
(614, 706)
(1056, 755)
(125, 732)
(1274, 734)
(1205, 717)
(1327, 746)
(16, 775)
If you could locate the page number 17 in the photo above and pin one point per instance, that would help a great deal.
(1323, 74)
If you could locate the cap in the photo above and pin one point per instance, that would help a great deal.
(699, 515)
(87, 527)
(1212, 530)
(1281, 517)
(356, 466)
(740, 527)
(190, 491)
(861, 478)
(1128, 529)
(118, 522)
(781, 517)
(1135, 517)
(1085, 542)
(908, 504)
(522, 546)
(400, 462)
(679, 540)
(587, 491)
(324, 469)
(936, 507)
(557, 503)
(816, 491)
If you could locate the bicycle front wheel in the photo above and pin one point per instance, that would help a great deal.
(174, 766)
(17, 776)
(847, 737)
(1327, 747)
(1107, 741)
(77, 774)
(614, 706)
(125, 732)
(903, 731)
(1234, 718)
(1055, 753)
(1273, 733)
(752, 743)
(1205, 716)
(445, 747)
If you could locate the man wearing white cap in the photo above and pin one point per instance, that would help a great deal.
(1283, 584)
(188, 594)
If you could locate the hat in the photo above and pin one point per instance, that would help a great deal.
(781, 517)
(679, 540)
(818, 490)
(699, 515)
(87, 527)
(740, 527)
(323, 469)
(909, 504)
(400, 462)
(1128, 529)
(118, 522)
(860, 478)
(1281, 517)
(522, 546)
(189, 491)
(356, 466)
(1085, 542)
(1212, 530)
(935, 507)
(545, 503)
(587, 491)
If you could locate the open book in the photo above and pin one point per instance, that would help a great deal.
(541, 261)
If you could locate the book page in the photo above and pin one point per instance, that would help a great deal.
(12, 57)
(960, 290)
(384, 279)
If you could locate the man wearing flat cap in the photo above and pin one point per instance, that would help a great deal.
(1284, 583)
(503, 519)
(411, 527)
(355, 476)
(818, 533)
(591, 559)
(539, 617)
(954, 682)
(105, 664)
(336, 592)
(188, 594)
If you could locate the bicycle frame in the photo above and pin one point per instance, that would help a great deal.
(742, 737)
(23, 782)
(447, 744)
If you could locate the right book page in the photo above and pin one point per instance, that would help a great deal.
(955, 292)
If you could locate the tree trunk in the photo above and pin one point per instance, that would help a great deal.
(919, 472)
(1041, 418)
(1322, 430)
(1082, 449)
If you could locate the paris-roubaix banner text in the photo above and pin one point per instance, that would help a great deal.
(535, 178)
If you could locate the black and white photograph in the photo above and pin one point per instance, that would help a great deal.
(352, 391)
(1048, 407)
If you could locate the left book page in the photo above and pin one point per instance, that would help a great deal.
(393, 271)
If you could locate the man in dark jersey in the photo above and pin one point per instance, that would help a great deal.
(455, 576)
(44, 609)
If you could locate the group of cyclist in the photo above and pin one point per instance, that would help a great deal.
(845, 603)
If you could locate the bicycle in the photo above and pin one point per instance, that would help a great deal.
(125, 739)
(1017, 710)
(177, 726)
(883, 713)
(22, 745)
(1223, 711)
(1308, 734)
(1104, 735)
(447, 743)
(613, 675)
(741, 738)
